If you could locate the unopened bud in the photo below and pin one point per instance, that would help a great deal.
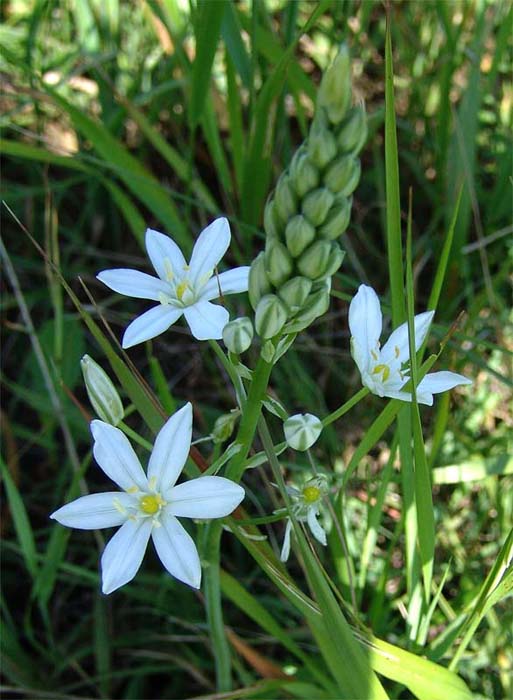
(322, 146)
(101, 392)
(278, 263)
(343, 175)
(258, 282)
(316, 205)
(224, 426)
(303, 173)
(271, 225)
(302, 431)
(270, 316)
(295, 292)
(353, 132)
(238, 335)
(284, 199)
(298, 234)
(319, 259)
(337, 220)
(316, 305)
(335, 88)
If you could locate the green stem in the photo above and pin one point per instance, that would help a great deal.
(345, 407)
(234, 471)
(135, 436)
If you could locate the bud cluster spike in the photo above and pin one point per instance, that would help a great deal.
(310, 208)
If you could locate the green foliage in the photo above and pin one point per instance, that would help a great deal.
(119, 116)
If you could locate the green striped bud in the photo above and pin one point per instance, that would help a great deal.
(321, 144)
(238, 335)
(285, 204)
(353, 132)
(316, 305)
(258, 283)
(319, 259)
(299, 233)
(343, 175)
(302, 431)
(270, 316)
(101, 392)
(316, 205)
(278, 263)
(295, 292)
(335, 88)
(224, 426)
(303, 174)
(271, 224)
(337, 219)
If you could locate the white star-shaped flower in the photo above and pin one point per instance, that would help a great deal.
(306, 504)
(383, 369)
(180, 288)
(148, 505)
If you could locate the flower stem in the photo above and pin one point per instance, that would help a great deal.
(135, 436)
(345, 407)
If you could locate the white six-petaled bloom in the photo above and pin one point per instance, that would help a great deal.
(149, 504)
(305, 507)
(383, 369)
(180, 288)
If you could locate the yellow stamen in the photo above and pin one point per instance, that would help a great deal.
(151, 504)
(397, 351)
(181, 289)
(374, 354)
(132, 489)
(382, 368)
(311, 494)
(168, 269)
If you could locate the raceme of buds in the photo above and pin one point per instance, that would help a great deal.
(238, 334)
(101, 392)
(302, 430)
(309, 210)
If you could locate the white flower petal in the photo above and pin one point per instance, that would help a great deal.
(124, 553)
(133, 283)
(397, 394)
(95, 511)
(150, 324)
(365, 322)
(206, 320)
(162, 248)
(436, 382)
(208, 250)
(231, 282)
(314, 526)
(116, 456)
(171, 449)
(397, 348)
(205, 497)
(177, 551)
(285, 550)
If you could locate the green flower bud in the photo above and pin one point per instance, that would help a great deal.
(224, 426)
(353, 132)
(303, 174)
(316, 205)
(271, 225)
(101, 392)
(302, 431)
(337, 220)
(270, 316)
(335, 88)
(285, 204)
(298, 234)
(321, 144)
(258, 283)
(319, 259)
(295, 292)
(278, 263)
(238, 334)
(343, 175)
(316, 305)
